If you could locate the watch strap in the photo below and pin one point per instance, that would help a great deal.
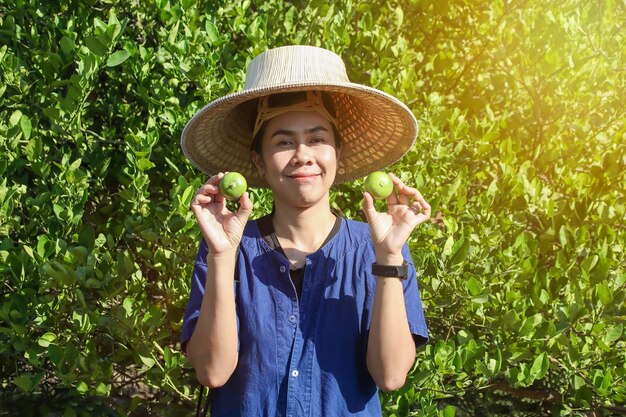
(397, 271)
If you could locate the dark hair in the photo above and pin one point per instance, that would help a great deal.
(287, 99)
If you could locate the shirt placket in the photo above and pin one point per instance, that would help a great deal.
(299, 373)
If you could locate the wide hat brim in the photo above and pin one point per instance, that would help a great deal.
(376, 130)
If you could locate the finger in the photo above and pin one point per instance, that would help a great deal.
(392, 199)
(245, 207)
(420, 199)
(368, 206)
(402, 187)
(207, 189)
(215, 179)
(219, 198)
(202, 199)
(426, 210)
(421, 209)
(397, 182)
(404, 198)
(404, 192)
(211, 186)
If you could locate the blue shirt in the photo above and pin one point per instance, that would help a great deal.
(304, 358)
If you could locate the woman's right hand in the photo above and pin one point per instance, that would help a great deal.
(222, 229)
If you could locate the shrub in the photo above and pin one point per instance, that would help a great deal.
(520, 151)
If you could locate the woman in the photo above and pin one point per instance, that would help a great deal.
(302, 312)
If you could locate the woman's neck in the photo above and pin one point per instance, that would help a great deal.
(304, 229)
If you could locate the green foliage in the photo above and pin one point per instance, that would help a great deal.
(520, 152)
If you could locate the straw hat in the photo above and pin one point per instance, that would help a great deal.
(376, 128)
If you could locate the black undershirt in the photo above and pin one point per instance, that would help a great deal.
(266, 228)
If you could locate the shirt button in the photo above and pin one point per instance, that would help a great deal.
(295, 373)
(282, 268)
(292, 318)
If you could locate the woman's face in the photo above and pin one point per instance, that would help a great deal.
(299, 158)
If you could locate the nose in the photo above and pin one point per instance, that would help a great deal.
(302, 155)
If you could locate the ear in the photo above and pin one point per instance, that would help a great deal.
(338, 154)
(257, 160)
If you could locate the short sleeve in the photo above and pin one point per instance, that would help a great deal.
(196, 294)
(413, 302)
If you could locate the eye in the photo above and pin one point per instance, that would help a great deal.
(283, 142)
(318, 139)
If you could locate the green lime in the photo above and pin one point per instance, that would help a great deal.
(233, 185)
(379, 185)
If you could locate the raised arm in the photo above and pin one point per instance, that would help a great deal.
(212, 349)
(391, 349)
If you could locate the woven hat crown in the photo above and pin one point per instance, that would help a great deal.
(294, 64)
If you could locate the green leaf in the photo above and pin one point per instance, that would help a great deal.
(29, 251)
(147, 360)
(176, 223)
(187, 196)
(117, 58)
(173, 33)
(453, 188)
(604, 293)
(69, 412)
(75, 165)
(27, 127)
(15, 118)
(125, 265)
(447, 247)
(290, 18)
(46, 339)
(473, 286)
(529, 325)
(459, 251)
(67, 45)
(601, 270)
(55, 354)
(403, 406)
(86, 237)
(540, 366)
(34, 148)
(588, 263)
(95, 46)
(398, 16)
(212, 33)
(24, 382)
(449, 411)
(128, 306)
(82, 388)
(187, 4)
(614, 333)
(58, 211)
(59, 272)
(145, 164)
(102, 389)
(99, 25)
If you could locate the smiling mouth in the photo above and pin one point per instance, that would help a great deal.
(303, 177)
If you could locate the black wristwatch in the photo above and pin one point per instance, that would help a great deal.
(398, 271)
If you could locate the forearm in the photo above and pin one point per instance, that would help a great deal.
(391, 350)
(212, 349)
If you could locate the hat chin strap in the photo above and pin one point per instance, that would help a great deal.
(313, 102)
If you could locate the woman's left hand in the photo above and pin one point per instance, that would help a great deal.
(406, 208)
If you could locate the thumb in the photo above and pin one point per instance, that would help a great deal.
(368, 207)
(245, 208)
